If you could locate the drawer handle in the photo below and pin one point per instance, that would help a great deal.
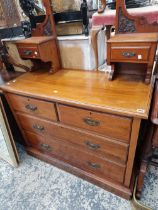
(92, 146)
(46, 147)
(31, 107)
(38, 128)
(91, 122)
(94, 165)
(27, 52)
(128, 54)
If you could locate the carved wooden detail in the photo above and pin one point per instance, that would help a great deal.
(46, 28)
(126, 23)
(8, 13)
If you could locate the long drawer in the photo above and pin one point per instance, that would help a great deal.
(109, 125)
(33, 106)
(95, 144)
(130, 53)
(100, 167)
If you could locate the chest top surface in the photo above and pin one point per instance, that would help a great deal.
(35, 40)
(86, 89)
(134, 37)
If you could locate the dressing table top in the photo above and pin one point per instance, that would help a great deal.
(125, 96)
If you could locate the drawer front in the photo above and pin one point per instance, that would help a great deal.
(106, 124)
(35, 125)
(136, 54)
(90, 163)
(33, 106)
(29, 52)
(94, 144)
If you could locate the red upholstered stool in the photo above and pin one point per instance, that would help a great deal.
(108, 16)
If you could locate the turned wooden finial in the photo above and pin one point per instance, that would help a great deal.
(101, 6)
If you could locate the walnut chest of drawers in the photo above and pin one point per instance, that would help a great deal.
(83, 123)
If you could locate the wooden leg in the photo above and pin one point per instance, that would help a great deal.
(52, 70)
(111, 74)
(141, 176)
(94, 34)
(148, 76)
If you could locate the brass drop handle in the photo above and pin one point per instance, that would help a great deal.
(38, 128)
(27, 52)
(93, 165)
(31, 107)
(91, 122)
(46, 147)
(92, 146)
(128, 54)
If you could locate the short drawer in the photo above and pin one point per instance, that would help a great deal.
(128, 54)
(100, 167)
(109, 125)
(95, 144)
(35, 125)
(29, 52)
(32, 106)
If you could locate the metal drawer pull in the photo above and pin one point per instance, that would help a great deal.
(128, 54)
(31, 107)
(38, 128)
(94, 165)
(91, 122)
(92, 146)
(27, 52)
(46, 147)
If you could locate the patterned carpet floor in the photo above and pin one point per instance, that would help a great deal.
(36, 185)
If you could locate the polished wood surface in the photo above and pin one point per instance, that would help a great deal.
(32, 106)
(125, 95)
(35, 40)
(106, 124)
(6, 76)
(130, 38)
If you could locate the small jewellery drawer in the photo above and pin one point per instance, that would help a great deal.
(100, 167)
(129, 54)
(29, 52)
(109, 125)
(33, 106)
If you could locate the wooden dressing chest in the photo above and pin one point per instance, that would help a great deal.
(83, 123)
